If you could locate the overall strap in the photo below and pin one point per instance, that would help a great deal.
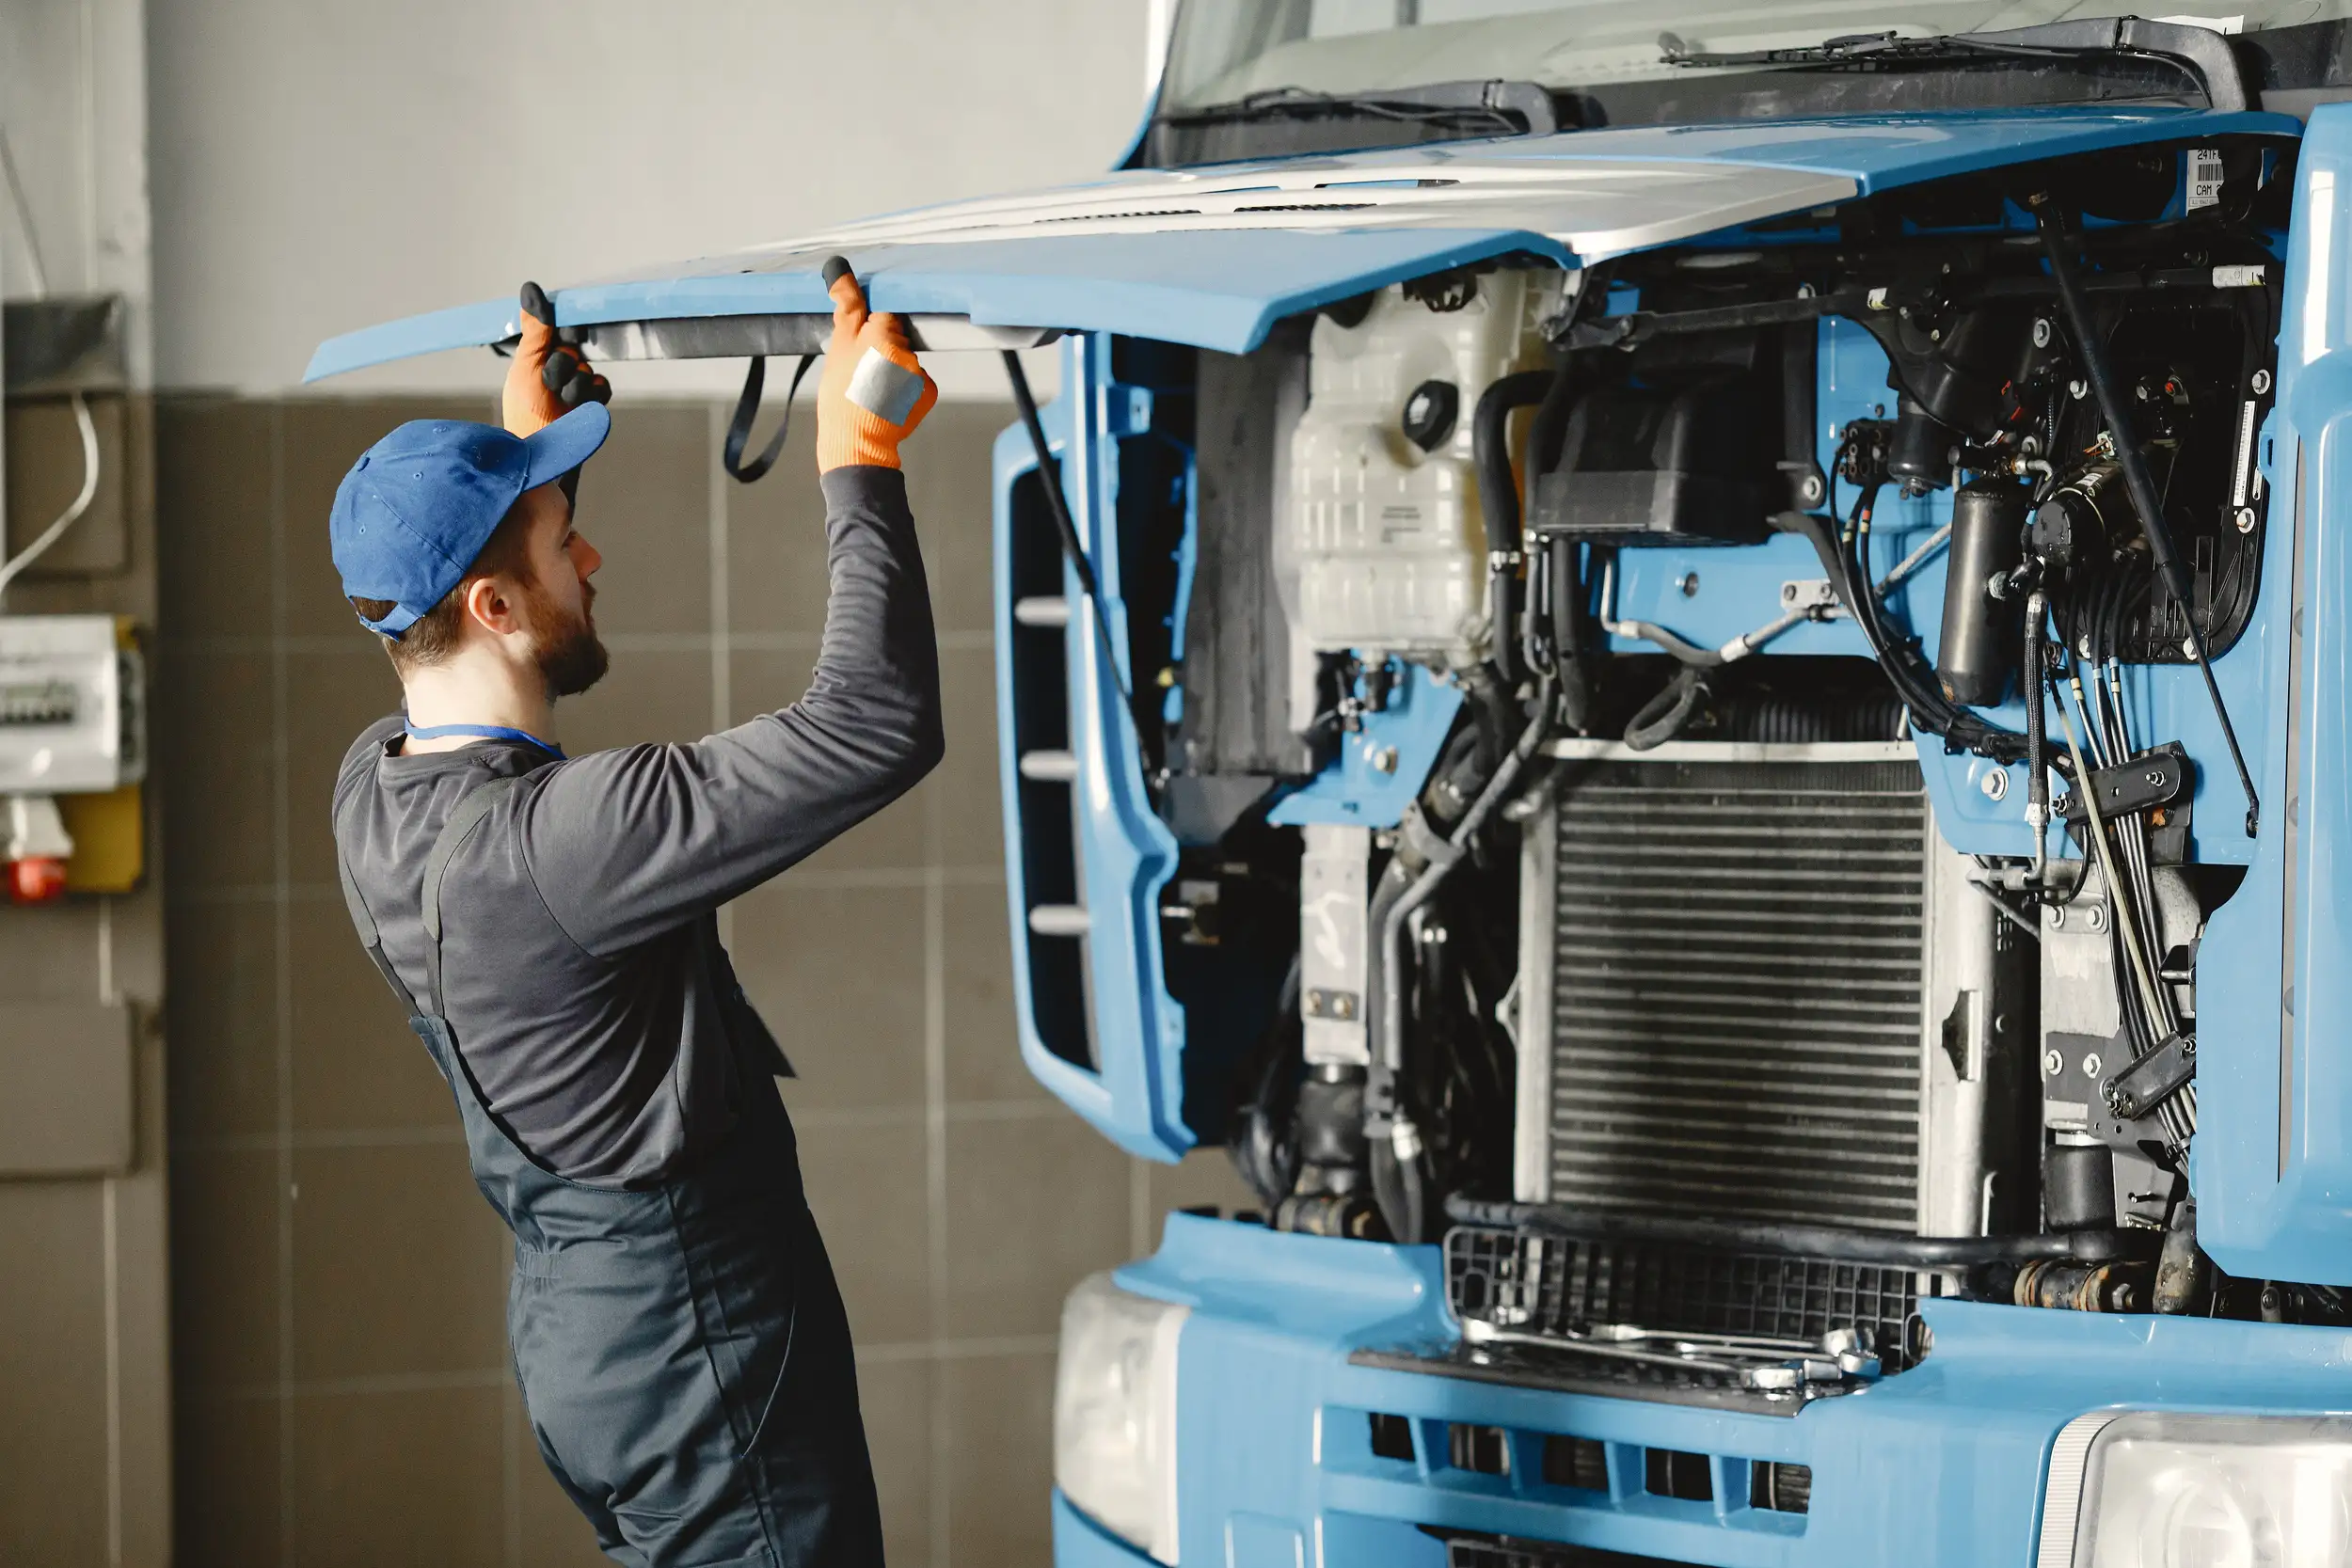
(462, 822)
(369, 937)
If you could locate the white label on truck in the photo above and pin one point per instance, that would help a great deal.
(2204, 177)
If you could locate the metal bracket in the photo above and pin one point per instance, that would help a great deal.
(2155, 777)
(2152, 1079)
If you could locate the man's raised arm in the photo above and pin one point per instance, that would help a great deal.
(627, 844)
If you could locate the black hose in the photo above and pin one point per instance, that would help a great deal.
(1264, 1148)
(1905, 667)
(1058, 507)
(1572, 653)
(1410, 879)
(1663, 715)
(1836, 1243)
(1499, 499)
(2137, 482)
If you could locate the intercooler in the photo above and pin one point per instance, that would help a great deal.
(1729, 987)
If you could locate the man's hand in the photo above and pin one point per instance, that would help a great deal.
(548, 379)
(874, 391)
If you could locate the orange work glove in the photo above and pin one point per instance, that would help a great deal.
(874, 391)
(547, 379)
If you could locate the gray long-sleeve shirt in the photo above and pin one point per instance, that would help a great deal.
(582, 971)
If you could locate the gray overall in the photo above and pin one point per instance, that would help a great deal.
(681, 1347)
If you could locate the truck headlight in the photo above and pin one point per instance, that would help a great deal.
(1115, 1412)
(2152, 1490)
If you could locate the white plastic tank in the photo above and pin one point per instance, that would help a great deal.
(1383, 542)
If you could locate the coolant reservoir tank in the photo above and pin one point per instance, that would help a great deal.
(1383, 543)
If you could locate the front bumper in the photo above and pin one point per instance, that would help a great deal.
(1940, 1466)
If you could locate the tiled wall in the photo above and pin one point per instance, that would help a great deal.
(341, 1381)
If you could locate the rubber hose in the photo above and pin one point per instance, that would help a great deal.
(1261, 1152)
(1544, 436)
(1498, 496)
(1663, 715)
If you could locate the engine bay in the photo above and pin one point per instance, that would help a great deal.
(1698, 782)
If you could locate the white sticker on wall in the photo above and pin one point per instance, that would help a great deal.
(2204, 177)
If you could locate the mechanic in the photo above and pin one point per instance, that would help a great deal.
(550, 923)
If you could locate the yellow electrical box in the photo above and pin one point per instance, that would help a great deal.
(109, 834)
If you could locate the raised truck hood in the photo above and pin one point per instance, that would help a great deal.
(1213, 257)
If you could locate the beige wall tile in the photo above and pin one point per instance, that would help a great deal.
(866, 1186)
(999, 1412)
(763, 680)
(322, 438)
(330, 697)
(400, 1480)
(398, 1266)
(968, 825)
(892, 839)
(224, 1270)
(1202, 1177)
(776, 579)
(53, 1363)
(895, 1397)
(225, 1489)
(947, 468)
(214, 498)
(220, 1019)
(648, 695)
(216, 760)
(1034, 1204)
(49, 954)
(644, 503)
(983, 1042)
(838, 972)
(356, 1063)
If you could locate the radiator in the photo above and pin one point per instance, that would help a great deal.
(1726, 1015)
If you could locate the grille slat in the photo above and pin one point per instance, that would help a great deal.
(1736, 990)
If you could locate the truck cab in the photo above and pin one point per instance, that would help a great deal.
(1677, 670)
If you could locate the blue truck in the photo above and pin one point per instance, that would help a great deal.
(1679, 669)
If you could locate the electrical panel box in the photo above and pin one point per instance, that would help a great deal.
(72, 699)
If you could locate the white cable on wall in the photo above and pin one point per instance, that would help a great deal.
(15, 565)
(72, 515)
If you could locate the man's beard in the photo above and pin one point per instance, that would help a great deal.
(570, 657)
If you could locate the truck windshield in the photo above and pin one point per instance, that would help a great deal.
(1249, 78)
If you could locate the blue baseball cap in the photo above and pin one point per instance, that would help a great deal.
(417, 508)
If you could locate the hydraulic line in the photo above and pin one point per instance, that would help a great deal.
(2090, 796)
(2037, 734)
(1395, 1140)
(2137, 480)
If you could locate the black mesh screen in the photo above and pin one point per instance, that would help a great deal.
(1549, 1286)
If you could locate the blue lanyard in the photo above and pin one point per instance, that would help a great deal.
(487, 732)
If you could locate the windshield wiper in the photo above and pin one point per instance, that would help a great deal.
(1499, 108)
(2200, 52)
